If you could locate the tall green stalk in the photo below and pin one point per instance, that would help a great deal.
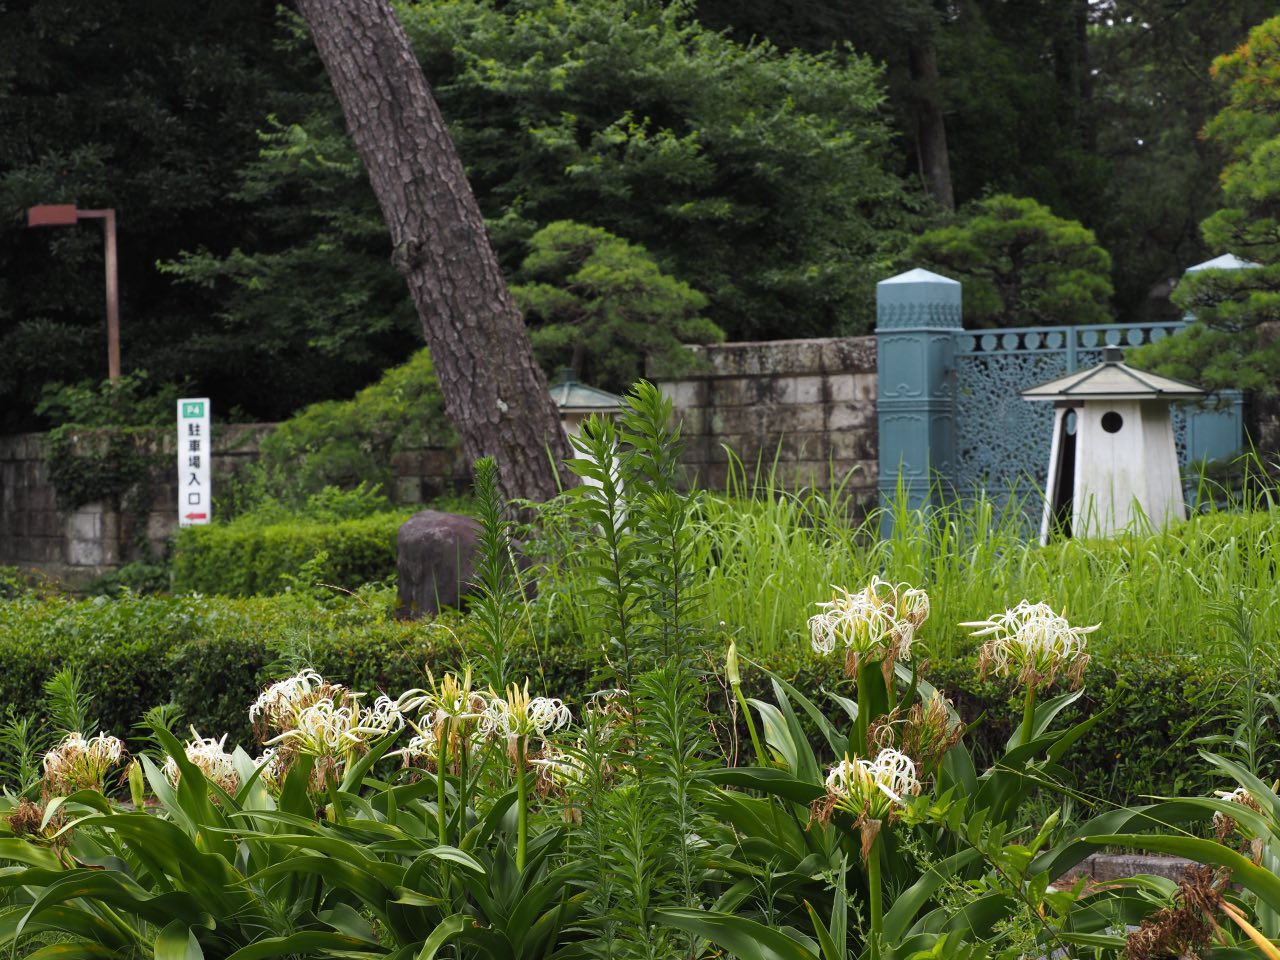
(442, 764)
(522, 801)
(875, 893)
(1028, 713)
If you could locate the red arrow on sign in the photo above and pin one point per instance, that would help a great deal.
(197, 516)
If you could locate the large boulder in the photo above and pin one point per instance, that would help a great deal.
(435, 559)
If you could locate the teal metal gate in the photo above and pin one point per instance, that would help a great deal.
(950, 405)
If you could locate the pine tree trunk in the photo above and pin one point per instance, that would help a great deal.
(494, 391)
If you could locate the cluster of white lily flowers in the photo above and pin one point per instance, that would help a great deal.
(1033, 643)
(80, 764)
(874, 787)
(211, 757)
(876, 624)
(872, 791)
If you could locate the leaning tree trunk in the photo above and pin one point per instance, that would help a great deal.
(494, 391)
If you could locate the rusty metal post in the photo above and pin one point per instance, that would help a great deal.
(65, 214)
(113, 296)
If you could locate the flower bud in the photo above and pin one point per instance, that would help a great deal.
(731, 665)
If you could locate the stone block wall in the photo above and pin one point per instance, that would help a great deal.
(803, 409)
(77, 546)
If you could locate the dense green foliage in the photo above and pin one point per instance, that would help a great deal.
(210, 655)
(255, 555)
(1020, 265)
(601, 306)
(1149, 589)
(1230, 347)
(1094, 109)
(162, 140)
(754, 177)
(256, 267)
(345, 443)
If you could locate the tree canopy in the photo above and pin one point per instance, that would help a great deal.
(1231, 345)
(1021, 265)
(776, 157)
(601, 306)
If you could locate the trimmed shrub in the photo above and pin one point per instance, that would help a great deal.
(247, 558)
(211, 656)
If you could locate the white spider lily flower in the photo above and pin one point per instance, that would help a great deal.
(871, 791)
(211, 757)
(1034, 643)
(80, 764)
(1223, 824)
(876, 624)
(520, 716)
(557, 771)
(875, 786)
(280, 701)
(382, 718)
(273, 769)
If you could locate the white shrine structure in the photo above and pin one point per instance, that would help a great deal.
(1112, 462)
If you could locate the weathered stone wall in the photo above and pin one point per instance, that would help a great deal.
(805, 409)
(76, 546)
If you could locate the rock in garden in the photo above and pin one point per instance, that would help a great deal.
(434, 557)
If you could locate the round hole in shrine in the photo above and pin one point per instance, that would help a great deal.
(1112, 421)
(1071, 423)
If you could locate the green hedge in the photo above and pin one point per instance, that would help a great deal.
(210, 656)
(244, 559)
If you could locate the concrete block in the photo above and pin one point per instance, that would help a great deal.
(684, 394)
(852, 445)
(693, 421)
(794, 475)
(798, 389)
(864, 387)
(734, 392)
(161, 525)
(767, 358)
(713, 476)
(768, 421)
(85, 523)
(408, 489)
(849, 355)
(84, 553)
(110, 526)
(851, 416)
(855, 474)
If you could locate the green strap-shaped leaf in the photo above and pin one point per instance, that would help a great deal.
(83, 950)
(20, 851)
(780, 783)
(72, 920)
(909, 903)
(745, 939)
(307, 942)
(449, 928)
(177, 942)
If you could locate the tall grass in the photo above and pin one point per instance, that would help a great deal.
(767, 555)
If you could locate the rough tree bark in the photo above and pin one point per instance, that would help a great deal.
(494, 391)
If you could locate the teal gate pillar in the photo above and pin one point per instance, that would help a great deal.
(917, 320)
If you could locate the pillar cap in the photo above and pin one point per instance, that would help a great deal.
(918, 300)
(1228, 261)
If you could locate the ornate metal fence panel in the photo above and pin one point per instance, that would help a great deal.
(949, 405)
(1002, 441)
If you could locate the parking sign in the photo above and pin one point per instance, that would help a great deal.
(195, 448)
